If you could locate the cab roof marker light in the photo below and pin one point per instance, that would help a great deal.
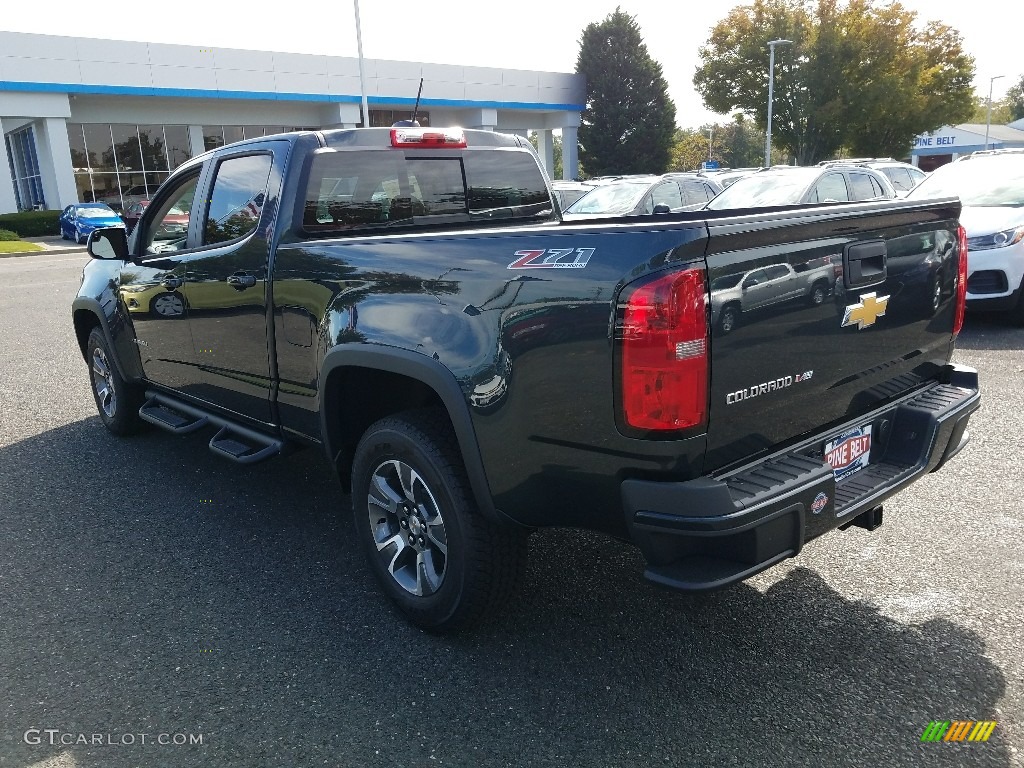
(446, 138)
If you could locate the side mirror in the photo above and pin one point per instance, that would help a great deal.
(662, 208)
(108, 243)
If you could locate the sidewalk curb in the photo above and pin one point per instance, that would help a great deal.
(43, 252)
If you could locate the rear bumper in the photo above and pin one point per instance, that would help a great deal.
(714, 531)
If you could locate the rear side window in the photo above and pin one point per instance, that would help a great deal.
(380, 188)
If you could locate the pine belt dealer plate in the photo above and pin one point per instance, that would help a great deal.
(849, 452)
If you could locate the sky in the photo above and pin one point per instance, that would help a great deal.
(526, 34)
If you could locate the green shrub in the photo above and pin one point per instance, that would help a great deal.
(31, 223)
(6, 234)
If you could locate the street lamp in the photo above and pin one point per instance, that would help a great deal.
(771, 93)
(988, 112)
(362, 75)
(711, 134)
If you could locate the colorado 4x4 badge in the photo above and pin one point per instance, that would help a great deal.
(866, 311)
(552, 258)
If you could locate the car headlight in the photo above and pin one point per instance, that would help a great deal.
(1002, 239)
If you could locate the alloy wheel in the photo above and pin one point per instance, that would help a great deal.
(102, 382)
(407, 528)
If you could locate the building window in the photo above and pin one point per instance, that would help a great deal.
(385, 118)
(24, 163)
(121, 164)
(218, 135)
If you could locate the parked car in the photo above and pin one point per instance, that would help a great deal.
(568, 192)
(903, 176)
(125, 198)
(797, 185)
(79, 219)
(643, 195)
(990, 185)
(176, 220)
(727, 176)
(767, 286)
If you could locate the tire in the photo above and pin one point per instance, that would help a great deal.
(409, 485)
(818, 294)
(63, 234)
(729, 318)
(117, 401)
(78, 236)
(168, 305)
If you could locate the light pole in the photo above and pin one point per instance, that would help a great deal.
(711, 134)
(362, 76)
(988, 112)
(771, 93)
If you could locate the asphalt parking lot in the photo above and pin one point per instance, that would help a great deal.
(149, 588)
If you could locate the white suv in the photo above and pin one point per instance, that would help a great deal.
(990, 185)
(903, 176)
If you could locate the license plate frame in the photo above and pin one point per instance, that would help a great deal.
(848, 452)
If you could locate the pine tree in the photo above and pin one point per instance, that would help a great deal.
(629, 122)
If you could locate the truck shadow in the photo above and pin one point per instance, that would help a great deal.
(148, 588)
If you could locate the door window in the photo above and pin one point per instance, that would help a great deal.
(900, 178)
(160, 236)
(694, 193)
(831, 188)
(668, 194)
(239, 193)
(862, 186)
(756, 277)
(777, 272)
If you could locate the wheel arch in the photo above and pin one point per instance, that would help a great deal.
(362, 383)
(87, 313)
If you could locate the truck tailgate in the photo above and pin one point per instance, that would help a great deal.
(820, 315)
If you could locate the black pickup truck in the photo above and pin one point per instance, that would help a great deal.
(409, 301)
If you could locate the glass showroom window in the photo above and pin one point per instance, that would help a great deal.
(121, 164)
(218, 135)
(28, 183)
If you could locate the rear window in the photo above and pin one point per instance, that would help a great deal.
(372, 189)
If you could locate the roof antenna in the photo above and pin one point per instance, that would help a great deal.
(416, 108)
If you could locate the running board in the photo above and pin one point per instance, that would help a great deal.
(155, 412)
(232, 441)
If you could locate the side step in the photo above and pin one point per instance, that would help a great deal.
(157, 413)
(232, 441)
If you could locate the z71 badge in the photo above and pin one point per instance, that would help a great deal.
(552, 258)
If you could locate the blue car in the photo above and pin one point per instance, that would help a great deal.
(79, 220)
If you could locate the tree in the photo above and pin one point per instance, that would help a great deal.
(862, 76)
(1002, 111)
(629, 119)
(734, 145)
(1015, 100)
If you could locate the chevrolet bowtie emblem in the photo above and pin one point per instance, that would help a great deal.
(866, 311)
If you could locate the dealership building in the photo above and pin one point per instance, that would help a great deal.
(951, 141)
(103, 120)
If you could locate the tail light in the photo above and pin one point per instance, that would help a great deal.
(961, 281)
(664, 352)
